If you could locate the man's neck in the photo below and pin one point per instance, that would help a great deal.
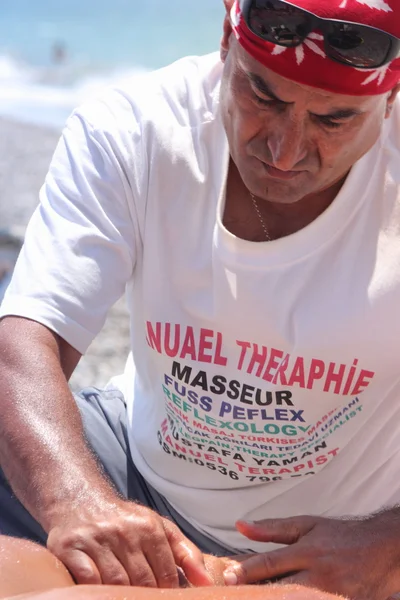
(241, 218)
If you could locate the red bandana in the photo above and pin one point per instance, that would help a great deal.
(308, 63)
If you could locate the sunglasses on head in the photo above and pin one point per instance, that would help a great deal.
(351, 44)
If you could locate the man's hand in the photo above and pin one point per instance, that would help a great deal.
(359, 559)
(122, 543)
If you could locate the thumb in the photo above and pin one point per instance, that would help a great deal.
(188, 557)
(278, 531)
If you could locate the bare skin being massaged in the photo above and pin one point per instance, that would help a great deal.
(248, 202)
(31, 571)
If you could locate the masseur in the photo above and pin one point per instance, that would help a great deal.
(249, 204)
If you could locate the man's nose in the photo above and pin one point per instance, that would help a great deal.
(287, 143)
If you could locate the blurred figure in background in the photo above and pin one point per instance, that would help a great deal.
(59, 53)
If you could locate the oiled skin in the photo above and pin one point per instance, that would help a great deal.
(273, 592)
(26, 567)
(30, 572)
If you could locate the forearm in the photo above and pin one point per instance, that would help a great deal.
(41, 431)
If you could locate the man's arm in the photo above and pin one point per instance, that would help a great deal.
(40, 427)
(356, 557)
(97, 535)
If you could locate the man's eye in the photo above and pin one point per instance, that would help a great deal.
(331, 123)
(265, 101)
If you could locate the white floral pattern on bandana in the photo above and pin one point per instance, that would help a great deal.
(377, 4)
(300, 50)
(376, 75)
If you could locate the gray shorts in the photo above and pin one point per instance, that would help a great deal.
(105, 421)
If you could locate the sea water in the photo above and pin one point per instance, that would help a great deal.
(54, 54)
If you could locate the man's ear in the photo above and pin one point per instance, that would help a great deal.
(227, 30)
(391, 100)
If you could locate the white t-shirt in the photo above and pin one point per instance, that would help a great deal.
(264, 377)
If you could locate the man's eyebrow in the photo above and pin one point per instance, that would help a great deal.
(264, 88)
(335, 114)
(341, 113)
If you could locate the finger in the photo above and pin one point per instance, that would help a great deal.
(82, 568)
(151, 564)
(140, 572)
(162, 562)
(277, 531)
(187, 556)
(110, 568)
(183, 582)
(268, 565)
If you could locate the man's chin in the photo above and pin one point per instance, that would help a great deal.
(286, 199)
(285, 192)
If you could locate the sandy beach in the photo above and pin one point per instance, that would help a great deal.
(25, 154)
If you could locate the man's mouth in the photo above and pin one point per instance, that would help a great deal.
(279, 174)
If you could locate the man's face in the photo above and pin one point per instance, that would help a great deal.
(287, 140)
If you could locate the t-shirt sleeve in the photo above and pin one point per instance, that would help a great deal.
(81, 244)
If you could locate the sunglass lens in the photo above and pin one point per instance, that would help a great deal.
(358, 46)
(278, 22)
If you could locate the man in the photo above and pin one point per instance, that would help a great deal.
(250, 207)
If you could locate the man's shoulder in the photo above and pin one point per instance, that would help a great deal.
(185, 92)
